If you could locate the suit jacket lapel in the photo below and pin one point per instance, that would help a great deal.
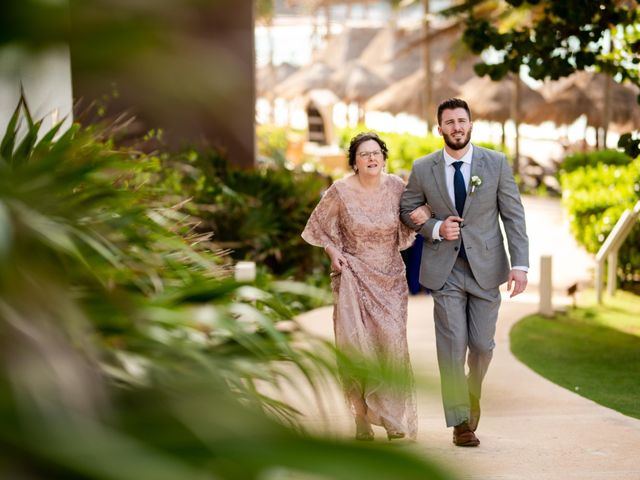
(477, 169)
(437, 169)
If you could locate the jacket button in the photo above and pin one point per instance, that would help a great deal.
(455, 248)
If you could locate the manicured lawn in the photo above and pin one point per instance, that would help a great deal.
(592, 350)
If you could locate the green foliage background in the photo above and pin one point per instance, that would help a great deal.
(593, 159)
(404, 148)
(258, 214)
(596, 195)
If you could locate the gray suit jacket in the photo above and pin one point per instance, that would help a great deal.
(497, 197)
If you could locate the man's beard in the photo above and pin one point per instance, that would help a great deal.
(457, 144)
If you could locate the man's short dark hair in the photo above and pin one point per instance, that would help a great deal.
(452, 104)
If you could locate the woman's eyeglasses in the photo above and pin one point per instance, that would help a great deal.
(374, 154)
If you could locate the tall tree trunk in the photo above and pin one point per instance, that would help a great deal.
(272, 72)
(515, 115)
(315, 33)
(428, 83)
(606, 114)
(586, 130)
(361, 113)
(327, 19)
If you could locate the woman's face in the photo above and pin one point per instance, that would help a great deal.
(369, 158)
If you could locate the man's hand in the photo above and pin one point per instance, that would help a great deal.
(519, 277)
(450, 228)
(420, 215)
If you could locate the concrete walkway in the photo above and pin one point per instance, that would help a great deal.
(530, 428)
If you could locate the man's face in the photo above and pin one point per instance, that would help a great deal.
(455, 128)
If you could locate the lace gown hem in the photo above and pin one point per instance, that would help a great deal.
(370, 296)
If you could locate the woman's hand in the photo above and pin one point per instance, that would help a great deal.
(337, 259)
(421, 214)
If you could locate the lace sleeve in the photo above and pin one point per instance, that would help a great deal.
(406, 236)
(322, 229)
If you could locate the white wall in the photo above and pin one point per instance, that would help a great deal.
(46, 79)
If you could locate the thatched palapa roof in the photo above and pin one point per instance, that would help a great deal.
(310, 77)
(356, 83)
(584, 93)
(407, 95)
(267, 77)
(493, 100)
(347, 47)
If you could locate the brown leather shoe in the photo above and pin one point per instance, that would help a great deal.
(464, 437)
(474, 413)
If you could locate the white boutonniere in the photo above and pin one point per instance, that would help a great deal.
(476, 181)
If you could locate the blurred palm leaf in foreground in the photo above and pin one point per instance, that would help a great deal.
(127, 351)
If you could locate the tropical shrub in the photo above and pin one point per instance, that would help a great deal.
(272, 143)
(127, 349)
(593, 159)
(595, 198)
(404, 148)
(89, 243)
(256, 214)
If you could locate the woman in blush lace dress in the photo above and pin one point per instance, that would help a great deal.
(357, 223)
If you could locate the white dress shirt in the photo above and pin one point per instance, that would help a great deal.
(449, 171)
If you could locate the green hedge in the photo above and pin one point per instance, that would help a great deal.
(272, 143)
(595, 197)
(258, 214)
(593, 159)
(404, 148)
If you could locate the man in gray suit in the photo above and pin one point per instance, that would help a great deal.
(463, 258)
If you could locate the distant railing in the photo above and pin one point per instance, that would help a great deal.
(609, 251)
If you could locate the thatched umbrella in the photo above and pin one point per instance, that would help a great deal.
(268, 77)
(447, 53)
(584, 93)
(309, 77)
(407, 95)
(499, 101)
(564, 106)
(388, 54)
(398, 53)
(493, 101)
(620, 100)
(395, 53)
(347, 46)
(625, 110)
(356, 83)
(604, 103)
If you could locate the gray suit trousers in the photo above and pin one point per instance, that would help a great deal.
(465, 314)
